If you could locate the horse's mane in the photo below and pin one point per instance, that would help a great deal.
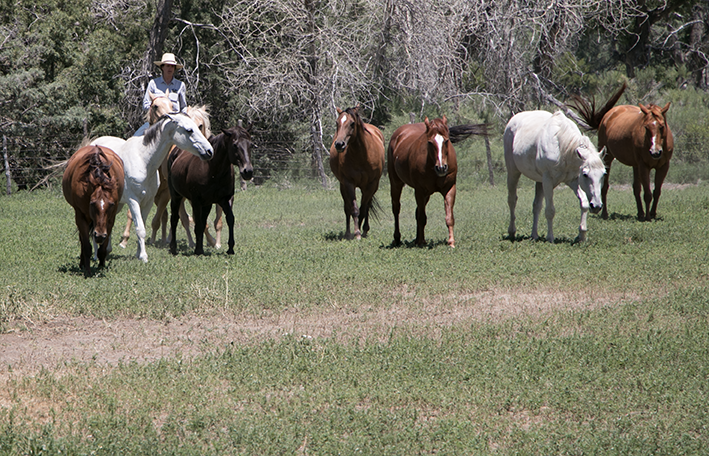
(98, 170)
(151, 133)
(354, 112)
(201, 113)
(570, 138)
(238, 131)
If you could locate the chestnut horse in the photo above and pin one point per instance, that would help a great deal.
(93, 185)
(636, 136)
(357, 160)
(422, 156)
(206, 183)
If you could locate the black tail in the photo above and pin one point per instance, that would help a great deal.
(588, 109)
(457, 133)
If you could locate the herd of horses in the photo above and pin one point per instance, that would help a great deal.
(178, 158)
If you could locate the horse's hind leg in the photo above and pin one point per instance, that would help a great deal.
(512, 181)
(660, 174)
(366, 206)
(349, 196)
(126, 231)
(185, 219)
(215, 242)
(396, 187)
(550, 210)
(537, 208)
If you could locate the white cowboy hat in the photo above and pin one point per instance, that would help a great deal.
(168, 59)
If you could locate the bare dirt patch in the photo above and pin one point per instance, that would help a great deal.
(29, 347)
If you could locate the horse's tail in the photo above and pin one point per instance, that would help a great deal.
(457, 133)
(375, 208)
(587, 109)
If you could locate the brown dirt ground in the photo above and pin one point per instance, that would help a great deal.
(28, 347)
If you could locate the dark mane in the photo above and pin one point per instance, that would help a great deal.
(98, 170)
(218, 140)
(354, 112)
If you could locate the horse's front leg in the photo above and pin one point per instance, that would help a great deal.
(422, 198)
(216, 241)
(607, 160)
(226, 207)
(140, 213)
(637, 188)
(175, 207)
(537, 208)
(84, 227)
(449, 202)
(185, 219)
(549, 210)
(583, 201)
(660, 174)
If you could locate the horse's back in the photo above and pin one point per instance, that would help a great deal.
(76, 189)
(522, 140)
(620, 131)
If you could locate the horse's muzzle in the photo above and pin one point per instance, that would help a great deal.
(100, 238)
(442, 170)
(247, 173)
(206, 156)
(656, 155)
(340, 145)
(595, 209)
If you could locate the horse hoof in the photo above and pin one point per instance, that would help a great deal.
(230, 252)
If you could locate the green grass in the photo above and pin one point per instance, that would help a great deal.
(630, 376)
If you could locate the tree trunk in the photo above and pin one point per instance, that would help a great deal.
(158, 33)
(312, 78)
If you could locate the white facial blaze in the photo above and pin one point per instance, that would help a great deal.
(439, 143)
(343, 119)
(102, 205)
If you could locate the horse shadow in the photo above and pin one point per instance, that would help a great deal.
(430, 245)
(557, 239)
(615, 216)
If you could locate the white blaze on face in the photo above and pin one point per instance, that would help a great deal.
(102, 205)
(343, 119)
(653, 141)
(439, 143)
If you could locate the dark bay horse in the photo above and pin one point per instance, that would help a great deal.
(93, 185)
(357, 160)
(636, 136)
(208, 182)
(421, 155)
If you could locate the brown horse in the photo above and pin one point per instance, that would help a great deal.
(208, 182)
(93, 185)
(421, 155)
(357, 160)
(637, 136)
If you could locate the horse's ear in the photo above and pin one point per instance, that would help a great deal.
(643, 108)
(664, 110)
(249, 126)
(428, 124)
(339, 111)
(226, 132)
(444, 119)
(602, 153)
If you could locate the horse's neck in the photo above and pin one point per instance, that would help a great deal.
(156, 152)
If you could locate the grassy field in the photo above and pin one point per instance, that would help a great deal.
(565, 348)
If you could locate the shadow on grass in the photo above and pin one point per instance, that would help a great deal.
(542, 239)
(430, 245)
(614, 216)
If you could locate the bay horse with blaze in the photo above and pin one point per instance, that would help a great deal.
(93, 185)
(422, 156)
(208, 182)
(357, 161)
(637, 136)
